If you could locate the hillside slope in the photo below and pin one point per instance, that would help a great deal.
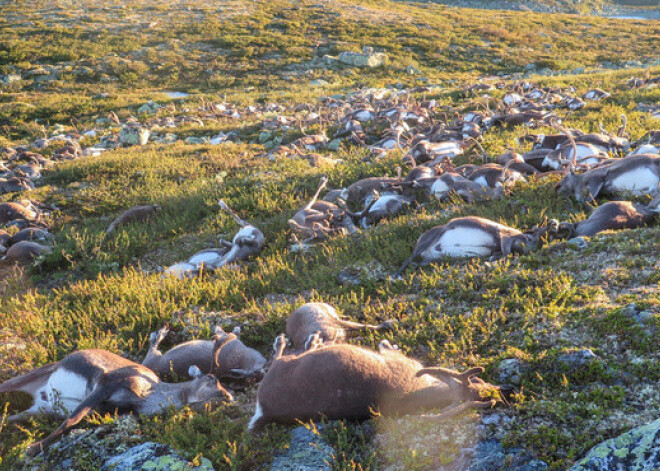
(249, 74)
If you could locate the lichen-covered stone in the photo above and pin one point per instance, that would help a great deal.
(134, 136)
(149, 107)
(151, 456)
(366, 58)
(636, 450)
(307, 452)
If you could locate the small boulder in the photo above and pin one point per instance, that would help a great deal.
(579, 243)
(134, 136)
(366, 58)
(149, 107)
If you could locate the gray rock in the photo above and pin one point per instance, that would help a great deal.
(334, 144)
(196, 140)
(630, 310)
(410, 70)
(134, 136)
(307, 452)
(578, 358)
(367, 58)
(636, 450)
(150, 107)
(319, 82)
(152, 456)
(510, 370)
(265, 136)
(579, 243)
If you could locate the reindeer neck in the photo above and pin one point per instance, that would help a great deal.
(164, 395)
(435, 396)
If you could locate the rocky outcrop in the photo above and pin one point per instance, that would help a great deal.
(366, 58)
(636, 450)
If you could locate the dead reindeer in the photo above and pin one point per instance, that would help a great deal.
(496, 177)
(318, 220)
(473, 237)
(31, 234)
(453, 183)
(426, 151)
(384, 206)
(98, 380)
(582, 153)
(357, 192)
(312, 142)
(25, 251)
(596, 94)
(322, 319)
(518, 165)
(135, 214)
(15, 185)
(234, 360)
(637, 174)
(349, 382)
(247, 242)
(613, 216)
(23, 211)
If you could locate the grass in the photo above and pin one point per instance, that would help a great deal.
(102, 292)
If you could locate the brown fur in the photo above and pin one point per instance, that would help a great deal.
(113, 382)
(13, 211)
(323, 319)
(234, 359)
(25, 251)
(348, 382)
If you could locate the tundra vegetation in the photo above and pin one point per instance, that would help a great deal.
(93, 68)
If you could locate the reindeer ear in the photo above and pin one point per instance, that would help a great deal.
(220, 342)
(194, 371)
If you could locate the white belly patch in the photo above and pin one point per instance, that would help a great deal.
(481, 181)
(63, 392)
(439, 188)
(381, 204)
(206, 258)
(465, 242)
(638, 181)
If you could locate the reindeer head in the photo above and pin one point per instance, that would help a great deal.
(206, 388)
(471, 387)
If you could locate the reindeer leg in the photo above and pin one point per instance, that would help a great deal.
(324, 182)
(314, 341)
(90, 403)
(228, 210)
(278, 346)
(406, 263)
(441, 373)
